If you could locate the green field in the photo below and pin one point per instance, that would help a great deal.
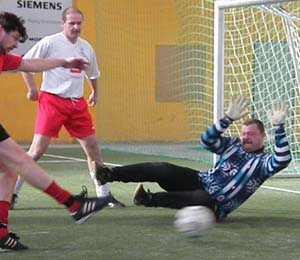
(265, 227)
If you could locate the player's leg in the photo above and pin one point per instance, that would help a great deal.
(172, 199)
(8, 240)
(81, 126)
(48, 123)
(16, 191)
(181, 183)
(169, 176)
(91, 148)
(38, 147)
(14, 157)
(52, 114)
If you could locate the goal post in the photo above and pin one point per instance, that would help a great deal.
(256, 53)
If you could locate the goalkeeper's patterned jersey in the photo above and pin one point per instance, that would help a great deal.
(237, 174)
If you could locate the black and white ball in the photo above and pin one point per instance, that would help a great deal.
(194, 221)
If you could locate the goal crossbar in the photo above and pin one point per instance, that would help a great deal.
(222, 4)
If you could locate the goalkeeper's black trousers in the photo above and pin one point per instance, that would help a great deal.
(181, 184)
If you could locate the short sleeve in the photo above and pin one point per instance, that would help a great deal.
(10, 62)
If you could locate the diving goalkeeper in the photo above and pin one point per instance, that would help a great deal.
(242, 167)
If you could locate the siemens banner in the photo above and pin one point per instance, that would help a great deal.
(41, 18)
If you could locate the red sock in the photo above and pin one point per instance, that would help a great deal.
(61, 196)
(4, 207)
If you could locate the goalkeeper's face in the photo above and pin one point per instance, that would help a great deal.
(252, 138)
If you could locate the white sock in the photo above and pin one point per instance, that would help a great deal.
(101, 190)
(18, 185)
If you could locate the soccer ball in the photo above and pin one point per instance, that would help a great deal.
(194, 221)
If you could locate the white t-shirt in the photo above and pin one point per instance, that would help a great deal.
(65, 82)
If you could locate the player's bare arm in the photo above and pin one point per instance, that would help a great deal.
(93, 97)
(38, 65)
(32, 93)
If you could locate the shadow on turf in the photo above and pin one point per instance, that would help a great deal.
(37, 208)
(252, 218)
(263, 220)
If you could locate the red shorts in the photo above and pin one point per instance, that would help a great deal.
(55, 112)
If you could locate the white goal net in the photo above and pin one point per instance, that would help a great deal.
(259, 58)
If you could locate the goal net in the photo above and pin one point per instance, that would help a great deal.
(169, 68)
(258, 56)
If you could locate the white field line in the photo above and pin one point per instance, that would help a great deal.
(280, 189)
(35, 233)
(65, 157)
(72, 159)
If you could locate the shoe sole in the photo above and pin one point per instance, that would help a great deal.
(84, 219)
(5, 250)
(137, 189)
(115, 206)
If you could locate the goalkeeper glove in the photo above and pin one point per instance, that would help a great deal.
(237, 108)
(277, 114)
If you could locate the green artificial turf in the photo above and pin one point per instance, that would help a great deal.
(265, 227)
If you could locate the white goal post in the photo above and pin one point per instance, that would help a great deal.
(256, 53)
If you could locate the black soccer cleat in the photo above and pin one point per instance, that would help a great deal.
(83, 194)
(88, 207)
(114, 203)
(140, 196)
(101, 172)
(11, 243)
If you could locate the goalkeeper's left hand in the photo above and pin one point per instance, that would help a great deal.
(277, 114)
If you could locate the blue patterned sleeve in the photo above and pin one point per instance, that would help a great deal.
(281, 157)
(212, 138)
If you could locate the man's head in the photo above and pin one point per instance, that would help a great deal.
(12, 31)
(252, 135)
(71, 23)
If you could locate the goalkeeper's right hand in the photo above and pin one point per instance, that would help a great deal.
(237, 108)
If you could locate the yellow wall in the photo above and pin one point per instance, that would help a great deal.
(127, 33)
(17, 114)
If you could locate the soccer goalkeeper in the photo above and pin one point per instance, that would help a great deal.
(242, 167)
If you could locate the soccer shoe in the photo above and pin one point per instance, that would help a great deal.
(101, 173)
(13, 201)
(83, 194)
(88, 207)
(140, 196)
(11, 242)
(114, 203)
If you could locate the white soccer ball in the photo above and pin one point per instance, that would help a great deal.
(194, 221)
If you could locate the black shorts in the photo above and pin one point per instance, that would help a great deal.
(3, 134)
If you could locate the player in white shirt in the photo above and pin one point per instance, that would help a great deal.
(61, 101)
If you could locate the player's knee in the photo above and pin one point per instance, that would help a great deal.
(35, 155)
